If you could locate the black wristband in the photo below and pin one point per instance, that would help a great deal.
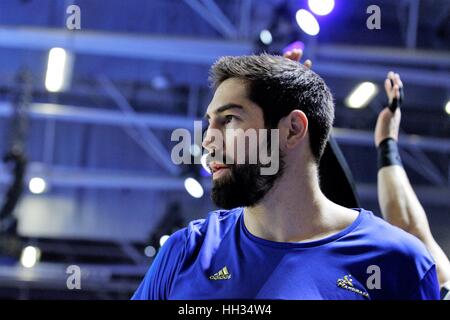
(388, 154)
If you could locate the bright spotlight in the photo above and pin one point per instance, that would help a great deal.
(266, 37)
(447, 107)
(321, 7)
(193, 187)
(307, 22)
(160, 82)
(58, 70)
(30, 255)
(37, 185)
(361, 95)
(163, 239)
(150, 251)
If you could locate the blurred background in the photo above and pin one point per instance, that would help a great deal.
(89, 97)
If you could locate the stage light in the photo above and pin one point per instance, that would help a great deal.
(321, 7)
(266, 37)
(193, 187)
(30, 256)
(361, 95)
(150, 251)
(447, 107)
(58, 70)
(37, 185)
(163, 239)
(160, 82)
(307, 22)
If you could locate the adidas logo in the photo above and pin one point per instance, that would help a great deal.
(221, 275)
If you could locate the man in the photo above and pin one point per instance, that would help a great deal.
(398, 202)
(280, 237)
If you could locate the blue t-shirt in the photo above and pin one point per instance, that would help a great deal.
(218, 258)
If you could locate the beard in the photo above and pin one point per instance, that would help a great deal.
(244, 186)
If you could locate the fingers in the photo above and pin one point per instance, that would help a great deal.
(388, 88)
(295, 54)
(289, 55)
(397, 91)
(392, 84)
(391, 75)
(388, 85)
(308, 64)
(395, 78)
(391, 78)
(398, 80)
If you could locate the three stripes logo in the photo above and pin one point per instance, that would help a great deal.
(223, 274)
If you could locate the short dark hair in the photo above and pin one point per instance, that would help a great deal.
(279, 85)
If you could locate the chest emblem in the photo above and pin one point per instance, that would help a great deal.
(347, 284)
(223, 274)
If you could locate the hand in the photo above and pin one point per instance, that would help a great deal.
(296, 55)
(392, 85)
(388, 123)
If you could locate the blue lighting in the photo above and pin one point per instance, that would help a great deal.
(321, 7)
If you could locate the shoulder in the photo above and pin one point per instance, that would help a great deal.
(405, 266)
(392, 237)
(398, 247)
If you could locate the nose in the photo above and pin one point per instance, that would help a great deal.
(208, 139)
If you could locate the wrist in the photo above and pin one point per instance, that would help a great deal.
(388, 153)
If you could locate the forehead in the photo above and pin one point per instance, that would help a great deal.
(232, 87)
(232, 91)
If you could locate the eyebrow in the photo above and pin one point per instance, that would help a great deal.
(224, 108)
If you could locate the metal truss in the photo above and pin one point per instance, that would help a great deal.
(141, 134)
(205, 52)
(213, 15)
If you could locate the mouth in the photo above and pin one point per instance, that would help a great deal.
(218, 169)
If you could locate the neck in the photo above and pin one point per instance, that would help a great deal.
(294, 210)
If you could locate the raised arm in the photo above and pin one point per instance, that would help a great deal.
(397, 199)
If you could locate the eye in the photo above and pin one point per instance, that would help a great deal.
(228, 118)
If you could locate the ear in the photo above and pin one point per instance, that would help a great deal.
(295, 127)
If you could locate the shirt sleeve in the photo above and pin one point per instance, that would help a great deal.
(158, 279)
(428, 287)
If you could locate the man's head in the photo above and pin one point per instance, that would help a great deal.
(264, 92)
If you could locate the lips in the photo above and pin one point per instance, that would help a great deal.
(216, 166)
